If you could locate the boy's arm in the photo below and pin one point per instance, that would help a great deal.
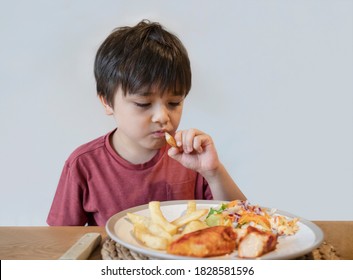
(222, 185)
(197, 151)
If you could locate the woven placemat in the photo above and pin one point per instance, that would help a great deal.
(114, 251)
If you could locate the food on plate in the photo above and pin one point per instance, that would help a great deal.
(262, 221)
(284, 226)
(150, 239)
(207, 242)
(237, 225)
(158, 218)
(157, 232)
(189, 217)
(146, 222)
(191, 206)
(170, 140)
(220, 240)
(194, 226)
(255, 243)
(150, 234)
(241, 214)
(138, 219)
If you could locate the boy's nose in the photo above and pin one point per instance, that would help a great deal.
(160, 115)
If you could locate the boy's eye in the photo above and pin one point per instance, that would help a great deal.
(142, 105)
(174, 104)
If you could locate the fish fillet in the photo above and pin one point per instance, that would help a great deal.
(208, 242)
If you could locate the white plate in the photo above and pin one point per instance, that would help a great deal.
(119, 228)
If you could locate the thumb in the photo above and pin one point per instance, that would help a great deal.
(174, 153)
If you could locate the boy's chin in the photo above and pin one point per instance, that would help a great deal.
(157, 146)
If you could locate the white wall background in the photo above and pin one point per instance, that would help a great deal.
(272, 83)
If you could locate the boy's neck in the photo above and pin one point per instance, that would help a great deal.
(129, 152)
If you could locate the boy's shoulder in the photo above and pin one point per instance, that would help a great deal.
(88, 148)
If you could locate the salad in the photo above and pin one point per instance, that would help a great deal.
(241, 214)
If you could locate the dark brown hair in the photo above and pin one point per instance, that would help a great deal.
(140, 57)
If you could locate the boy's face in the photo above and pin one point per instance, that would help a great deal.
(143, 117)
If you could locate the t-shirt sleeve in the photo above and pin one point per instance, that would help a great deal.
(67, 207)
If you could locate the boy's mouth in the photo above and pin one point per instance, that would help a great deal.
(159, 133)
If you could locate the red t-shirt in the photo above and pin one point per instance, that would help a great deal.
(96, 183)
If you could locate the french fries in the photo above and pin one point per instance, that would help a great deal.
(138, 219)
(149, 225)
(158, 218)
(187, 218)
(157, 232)
(191, 206)
(170, 140)
(194, 226)
(149, 239)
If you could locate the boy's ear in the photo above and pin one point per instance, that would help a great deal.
(107, 108)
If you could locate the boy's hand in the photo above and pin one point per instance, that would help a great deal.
(195, 151)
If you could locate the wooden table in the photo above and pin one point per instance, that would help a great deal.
(43, 243)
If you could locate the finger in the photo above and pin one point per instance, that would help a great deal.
(172, 152)
(188, 140)
(178, 138)
(197, 143)
(185, 144)
(175, 154)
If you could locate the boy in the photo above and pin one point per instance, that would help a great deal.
(143, 76)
